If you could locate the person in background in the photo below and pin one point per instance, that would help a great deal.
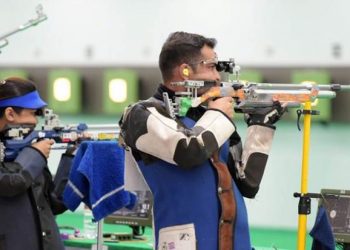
(195, 165)
(29, 197)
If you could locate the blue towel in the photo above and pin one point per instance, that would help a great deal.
(97, 179)
(322, 234)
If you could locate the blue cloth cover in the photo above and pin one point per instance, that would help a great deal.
(321, 233)
(97, 179)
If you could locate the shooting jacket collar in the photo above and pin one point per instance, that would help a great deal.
(193, 113)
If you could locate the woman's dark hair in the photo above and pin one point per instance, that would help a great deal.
(182, 47)
(12, 87)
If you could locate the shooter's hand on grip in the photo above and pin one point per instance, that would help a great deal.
(224, 104)
(44, 146)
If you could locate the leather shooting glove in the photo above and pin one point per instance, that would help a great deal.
(265, 116)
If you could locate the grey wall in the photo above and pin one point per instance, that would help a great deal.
(271, 35)
(255, 32)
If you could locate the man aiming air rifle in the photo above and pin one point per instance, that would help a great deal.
(250, 97)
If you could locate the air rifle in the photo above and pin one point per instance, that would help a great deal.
(17, 137)
(249, 97)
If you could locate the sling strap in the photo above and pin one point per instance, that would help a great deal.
(228, 204)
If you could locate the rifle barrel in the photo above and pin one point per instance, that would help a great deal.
(326, 94)
(334, 87)
(321, 94)
(298, 86)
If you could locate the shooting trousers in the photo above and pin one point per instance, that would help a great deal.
(228, 204)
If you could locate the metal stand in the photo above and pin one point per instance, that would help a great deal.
(304, 207)
(32, 22)
(100, 234)
(304, 201)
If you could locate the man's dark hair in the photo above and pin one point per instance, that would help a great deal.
(14, 87)
(182, 47)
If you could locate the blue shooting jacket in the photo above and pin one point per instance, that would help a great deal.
(184, 196)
